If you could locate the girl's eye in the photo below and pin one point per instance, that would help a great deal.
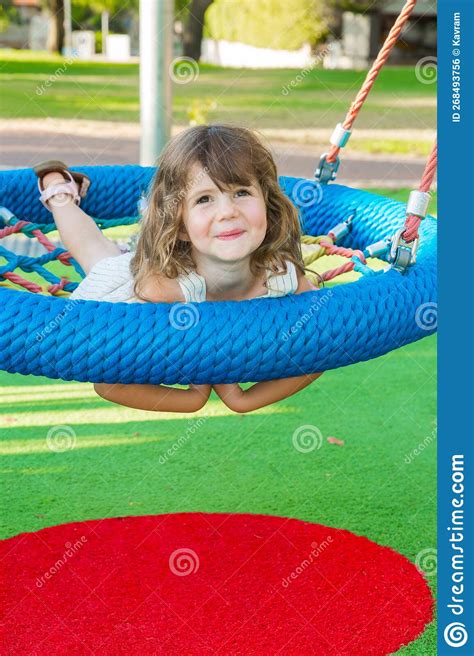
(244, 190)
(200, 199)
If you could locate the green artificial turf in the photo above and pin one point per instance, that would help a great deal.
(36, 85)
(119, 460)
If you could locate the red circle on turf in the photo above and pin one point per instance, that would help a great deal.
(198, 583)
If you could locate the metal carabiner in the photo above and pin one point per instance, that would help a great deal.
(326, 171)
(402, 253)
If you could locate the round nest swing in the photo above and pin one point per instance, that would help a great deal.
(217, 342)
(224, 342)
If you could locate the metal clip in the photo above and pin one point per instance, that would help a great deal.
(326, 171)
(142, 204)
(402, 253)
(379, 248)
(418, 202)
(341, 229)
(5, 215)
(340, 136)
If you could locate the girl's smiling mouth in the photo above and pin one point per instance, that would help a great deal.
(231, 234)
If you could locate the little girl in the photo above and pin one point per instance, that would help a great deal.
(217, 227)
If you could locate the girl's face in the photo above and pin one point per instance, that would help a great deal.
(226, 225)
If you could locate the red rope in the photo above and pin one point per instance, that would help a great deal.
(430, 170)
(53, 289)
(32, 286)
(331, 249)
(18, 280)
(374, 71)
(412, 222)
(9, 230)
(333, 273)
(44, 241)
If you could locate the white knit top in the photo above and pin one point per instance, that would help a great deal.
(111, 280)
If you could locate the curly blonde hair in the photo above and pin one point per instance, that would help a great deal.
(230, 155)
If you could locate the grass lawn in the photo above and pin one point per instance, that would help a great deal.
(36, 85)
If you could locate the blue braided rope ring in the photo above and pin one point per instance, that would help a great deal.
(220, 342)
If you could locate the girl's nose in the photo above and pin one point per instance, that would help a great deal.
(226, 207)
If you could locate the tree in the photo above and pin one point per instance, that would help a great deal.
(56, 24)
(114, 7)
(356, 6)
(8, 13)
(277, 24)
(193, 28)
(88, 13)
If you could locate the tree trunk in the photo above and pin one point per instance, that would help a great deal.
(56, 25)
(192, 35)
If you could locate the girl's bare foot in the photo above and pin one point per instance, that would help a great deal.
(53, 178)
(62, 199)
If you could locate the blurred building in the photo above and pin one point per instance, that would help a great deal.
(417, 40)
(27, 8)
(17, 32)
(361, 35)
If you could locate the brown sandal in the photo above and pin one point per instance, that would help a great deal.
(77, 186)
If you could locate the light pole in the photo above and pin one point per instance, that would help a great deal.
(156, 30)
(105, 30)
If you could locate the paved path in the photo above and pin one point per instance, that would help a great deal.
(24, 148)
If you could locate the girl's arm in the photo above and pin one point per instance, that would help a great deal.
(264, 393)
(155, 397)
(78, 231)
